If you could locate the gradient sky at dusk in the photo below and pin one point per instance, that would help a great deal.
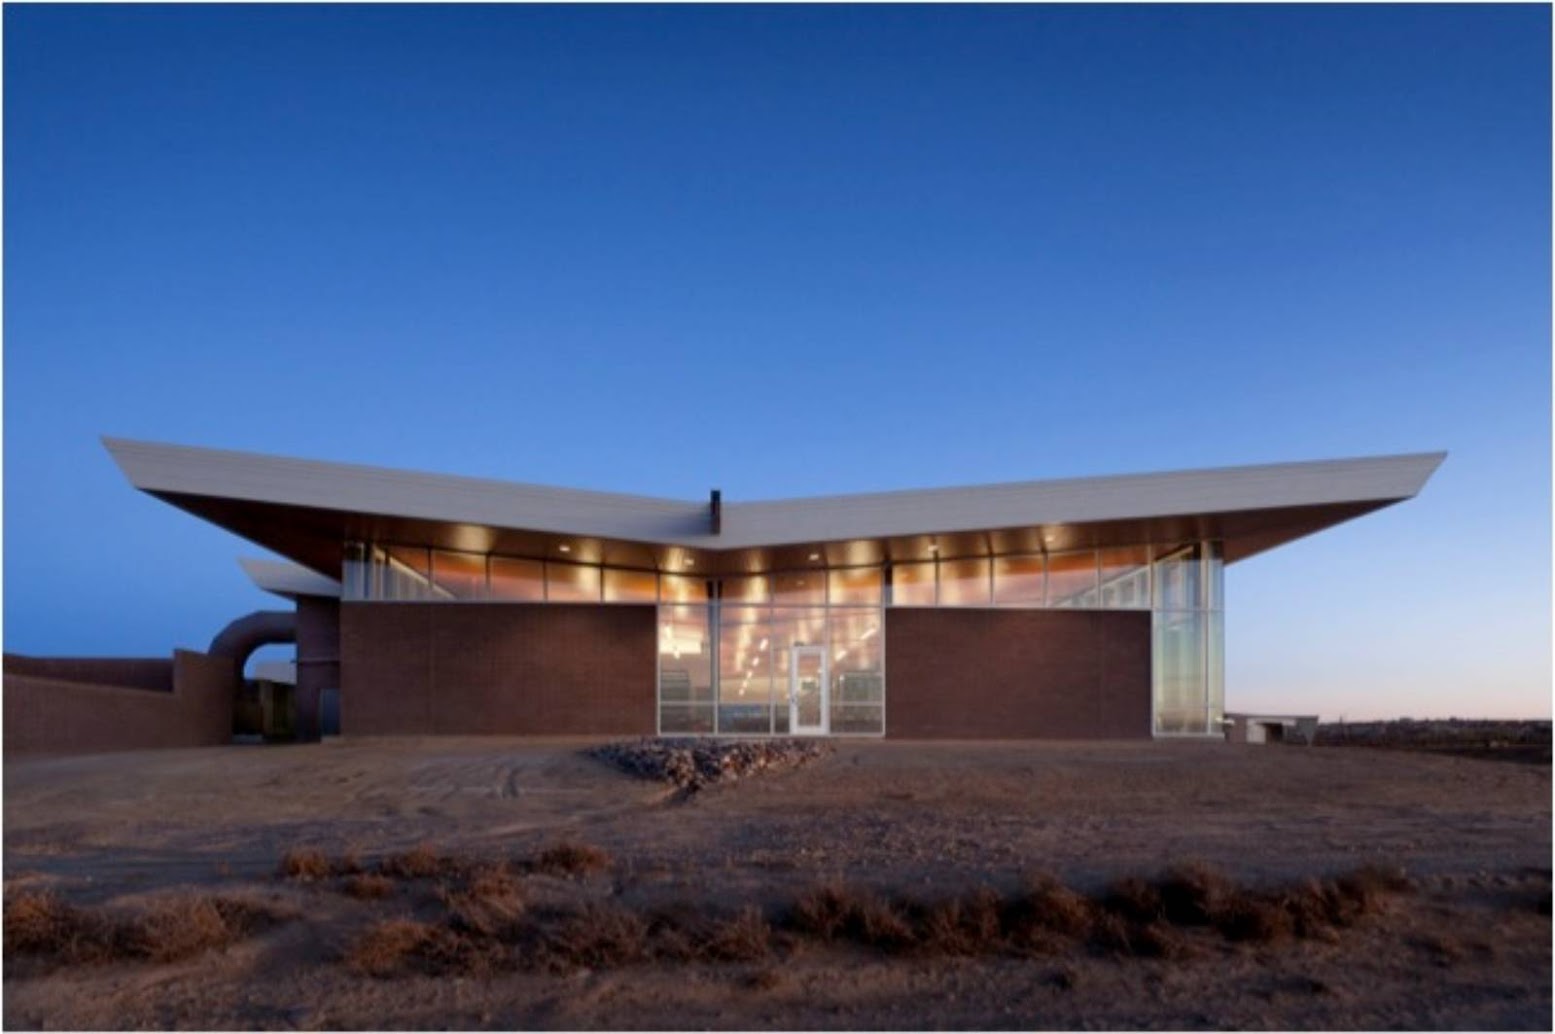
(795, 251)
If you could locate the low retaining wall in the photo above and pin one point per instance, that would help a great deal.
(139, 672)
(47, 714)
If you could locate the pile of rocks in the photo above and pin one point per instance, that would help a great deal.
(691, 764)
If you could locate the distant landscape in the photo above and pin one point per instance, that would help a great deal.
(1499, 739)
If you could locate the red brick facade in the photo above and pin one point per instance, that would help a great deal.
(956, 673)
(498, 668)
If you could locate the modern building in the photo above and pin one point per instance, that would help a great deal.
(1088, 607)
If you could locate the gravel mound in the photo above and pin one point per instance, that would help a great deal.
(692, 764)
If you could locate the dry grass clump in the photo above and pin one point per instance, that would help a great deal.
(1194, 895)
(822, 911)
(419, 863)
(305, 864)
(599, 935)
(744, 938)
(489, 903)
(385, 947)
(1043, 912)
(178, 929)
(487, 923)
(368, 886)
(832, 911)
(348, 864)
(571, 858)
(44, 925)
(969, 925)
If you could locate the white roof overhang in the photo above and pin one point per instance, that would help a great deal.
(305, 509)
(287, 579)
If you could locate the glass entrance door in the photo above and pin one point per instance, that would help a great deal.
(807, 691)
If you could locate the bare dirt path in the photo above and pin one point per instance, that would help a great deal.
(913, 817)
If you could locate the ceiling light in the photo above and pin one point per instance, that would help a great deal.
(690, 562)
(565, 548)
(763, 645)
(815, 556)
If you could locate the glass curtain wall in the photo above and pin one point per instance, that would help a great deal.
(727, 662)
(767, 624)
(1187, 637)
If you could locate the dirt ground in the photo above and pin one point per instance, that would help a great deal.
(1469, 949)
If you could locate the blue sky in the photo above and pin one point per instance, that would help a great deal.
(790, 251)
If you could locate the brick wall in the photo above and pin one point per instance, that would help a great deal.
(508, 668)
(318, 659)
(954, 673)
(61, 716)
(140, 672)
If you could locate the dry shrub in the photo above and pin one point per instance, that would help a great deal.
(766, 980)
(419, 863)
(598, 936)
(744, 938)
(980, 918)
(1133, 898)
(489, 903)
(41, 923)
(368, 886)
(880, 923)
(177, 929)
(822, 911)
(571, 858)
(1255, 919)
(386, 947)
(1194, 895)
(1043, 912)
(1441, 950)
(305, 864)
(957, 926)
(674, 933)
(348, 864)
(831, 911)
(1116, 935)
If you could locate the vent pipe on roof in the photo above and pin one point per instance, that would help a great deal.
(716, 511)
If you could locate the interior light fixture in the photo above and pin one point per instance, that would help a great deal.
(565, 548)
(763, 645)
(690, 562)
(933, 547)
(815, 556)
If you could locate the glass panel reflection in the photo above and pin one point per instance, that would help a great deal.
(1125, 578)
(855, 585)
(513, 579)
(571, 583)
(1018, 581)
(630, 586)
(964, 583)
(1071, 579)
(912, 585)
(458, 576)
